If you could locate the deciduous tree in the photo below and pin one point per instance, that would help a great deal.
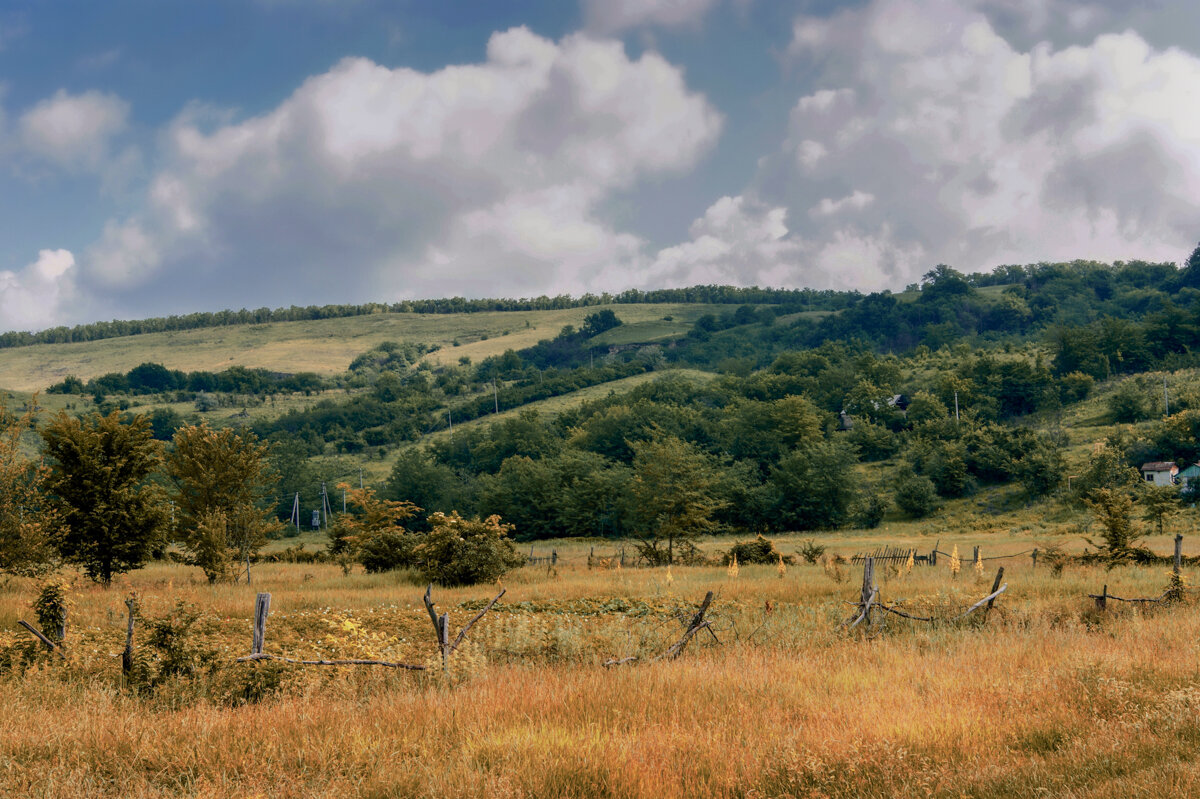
(27, 521)
(98, 480)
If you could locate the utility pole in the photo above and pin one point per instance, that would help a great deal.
(956, 407)
(495, 395)
(324, 505)
(1166, 399)
(296, 512)
(450, 419)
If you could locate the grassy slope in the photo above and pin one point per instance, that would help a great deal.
(324, 346)
(555, 405)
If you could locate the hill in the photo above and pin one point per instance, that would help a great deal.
(323, 346)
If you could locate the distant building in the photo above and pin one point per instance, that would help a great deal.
(845, 422)
(1189, 478)
(1160, 473)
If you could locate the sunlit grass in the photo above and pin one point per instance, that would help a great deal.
(1047, 697)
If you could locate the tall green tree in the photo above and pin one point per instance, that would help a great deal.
(676, 489)
(98, 480)
(813, 487)
(28, 522)
(224, 472)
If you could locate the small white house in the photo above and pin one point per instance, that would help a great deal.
(1160, 473)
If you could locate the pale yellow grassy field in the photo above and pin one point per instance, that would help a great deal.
(324, 346)
(1045, 698)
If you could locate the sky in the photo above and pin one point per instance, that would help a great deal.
(161, 157)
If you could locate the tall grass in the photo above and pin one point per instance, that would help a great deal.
(1047, 697)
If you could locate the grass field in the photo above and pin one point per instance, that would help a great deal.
(324, 346)
(1044, 697)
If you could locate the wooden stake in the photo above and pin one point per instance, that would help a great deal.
(127, 655)
(262, 606)
(38, 633)
(995, 590)
(1178, 552)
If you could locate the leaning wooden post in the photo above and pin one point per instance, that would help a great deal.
(995, 588)
(127, 655)
(1178, 553)
(1102, 600)
(868, 588)
(262, 606)
(36, 633)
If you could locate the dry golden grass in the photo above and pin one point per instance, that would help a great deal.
(1047, 698)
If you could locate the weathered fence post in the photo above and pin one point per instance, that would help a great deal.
(1178, 553)
(995, 588)
(933, 554)
(975, 556)
(262, 606)
(554, 557)
(1102, 600)
(127, 654)
(868, 588)
(1034, 556)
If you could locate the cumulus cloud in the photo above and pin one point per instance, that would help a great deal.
(610, 16)
(474, 179)
(73, 130)
(738, 240)
(931, 138)
(37, 296)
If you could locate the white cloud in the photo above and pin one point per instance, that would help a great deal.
(610, 16)
(73, 131)
(36, 296)
(851, 202)
(738, 241)
(947, 143)
(474, 179)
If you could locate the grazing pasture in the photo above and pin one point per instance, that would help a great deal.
(1045, 695)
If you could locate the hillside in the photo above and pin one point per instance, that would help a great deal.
(323, 346)
(1010, 383)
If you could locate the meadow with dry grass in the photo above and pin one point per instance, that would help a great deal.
(1046, 696)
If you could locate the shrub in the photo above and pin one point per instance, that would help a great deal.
(173, 637)
(915, 495)
(811, 551)
(387, 550)
(1128, 403)
(868, 513)
(459, 551)
(760, 550)
(50, 607)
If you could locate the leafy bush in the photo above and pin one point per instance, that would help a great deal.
(173, 637)
(811, 551)
(915, 494)
(1128, 404)
(387, 550)
(459, 551)
(869, 510)
(760, 550)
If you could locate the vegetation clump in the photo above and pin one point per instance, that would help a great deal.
(759, 551)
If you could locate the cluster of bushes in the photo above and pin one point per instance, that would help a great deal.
(154, 378)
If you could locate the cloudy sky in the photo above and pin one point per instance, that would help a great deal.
(165, 157)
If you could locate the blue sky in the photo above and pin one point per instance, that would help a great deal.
(166, 157)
